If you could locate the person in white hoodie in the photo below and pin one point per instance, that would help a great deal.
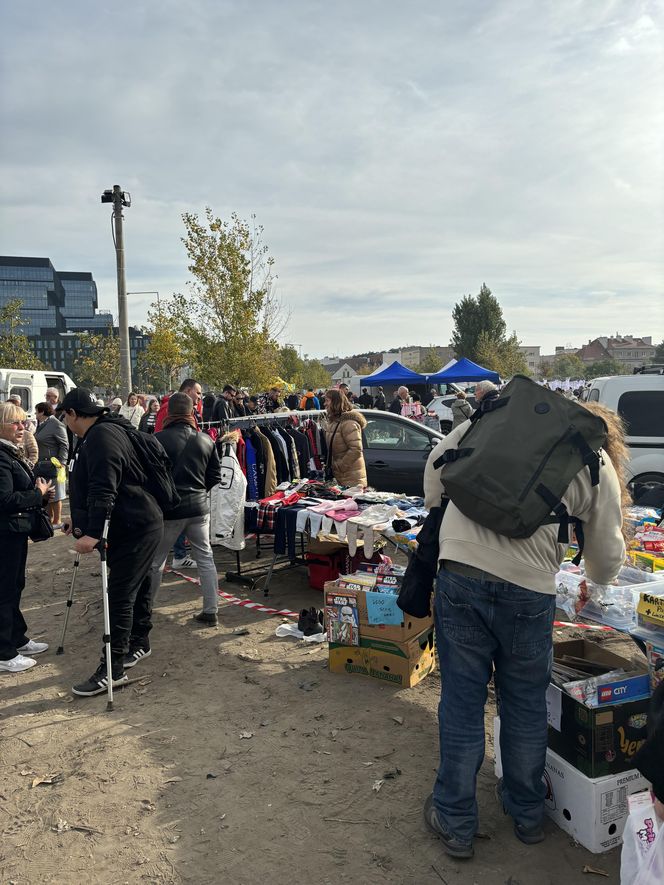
(494, 606)
(132, 410)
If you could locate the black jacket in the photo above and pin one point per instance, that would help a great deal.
(223, 409)
(19, 499)
(395, 405)
(106, 476)
(196, 468)
(379, 401)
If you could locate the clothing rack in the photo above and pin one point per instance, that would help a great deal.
(251, 577)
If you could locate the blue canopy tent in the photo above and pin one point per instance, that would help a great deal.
(395, 373)
(464, 370)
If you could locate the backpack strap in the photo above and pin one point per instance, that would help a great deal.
(562, 517)
(489, 405)
(591, 459)
(451, 455)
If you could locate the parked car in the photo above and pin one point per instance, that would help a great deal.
(396, 451)
(440, 406)
(639, 400)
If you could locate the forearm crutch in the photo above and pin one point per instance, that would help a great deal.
(102, 547)
(70, 601)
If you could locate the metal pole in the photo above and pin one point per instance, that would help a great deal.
(123, 322)
(70, 600)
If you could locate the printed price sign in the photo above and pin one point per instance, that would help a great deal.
(382, 608)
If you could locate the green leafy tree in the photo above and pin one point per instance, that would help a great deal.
(98, 363)
(16, 352)
(315, 375)
(290, 365)
(430, 362)
(160, 364)
(659, 353)
(606, 366)
(503, 356)
(565, 365)
(230, 319)
(473, 316)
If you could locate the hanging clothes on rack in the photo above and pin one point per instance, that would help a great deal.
(227, 500)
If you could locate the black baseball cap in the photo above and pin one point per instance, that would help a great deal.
(82, 401)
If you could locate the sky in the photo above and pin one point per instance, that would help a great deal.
(397, 155)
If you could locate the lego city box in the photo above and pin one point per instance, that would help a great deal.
(403, 664)
(603, 739)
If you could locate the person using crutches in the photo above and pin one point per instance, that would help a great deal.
(109, 502)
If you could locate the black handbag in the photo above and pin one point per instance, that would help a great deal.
(42, 527)
(417, 586)
(45, 469)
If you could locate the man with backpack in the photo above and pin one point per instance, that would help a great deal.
(196, 469)
(108, 480)
(528, 465)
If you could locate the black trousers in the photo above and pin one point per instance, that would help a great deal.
(14, 547)
(129, 560)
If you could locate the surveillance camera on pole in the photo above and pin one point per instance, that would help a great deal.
(121, 199)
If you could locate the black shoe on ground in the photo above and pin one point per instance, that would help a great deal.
(207, 618)
(309, 622)
(97, 683)
(527, 835)
(135, 655)
(453, 846)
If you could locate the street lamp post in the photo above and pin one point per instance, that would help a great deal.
(121, 199)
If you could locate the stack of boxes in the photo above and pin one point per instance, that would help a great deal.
(368, 633)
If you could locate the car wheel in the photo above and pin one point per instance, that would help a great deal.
(445, 426)
(643, 483)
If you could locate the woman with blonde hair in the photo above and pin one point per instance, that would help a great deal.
(343, 434)
(21, 496)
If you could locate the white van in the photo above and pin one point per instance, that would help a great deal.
(639, 400)
(31, 386)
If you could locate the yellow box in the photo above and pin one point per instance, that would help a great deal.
(403, 664)
(646, 561)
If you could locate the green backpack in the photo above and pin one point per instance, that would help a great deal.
(514, 464)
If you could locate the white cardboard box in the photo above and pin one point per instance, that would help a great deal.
(592, 810)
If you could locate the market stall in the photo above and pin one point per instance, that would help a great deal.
(463, 370)
(394, 374)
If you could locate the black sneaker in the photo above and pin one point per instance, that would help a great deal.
(135, 656)
(527, 835)
(309, 622)
(453, 846)
(97, 683)
(207, 618)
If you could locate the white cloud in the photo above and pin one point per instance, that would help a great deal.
(396, 156)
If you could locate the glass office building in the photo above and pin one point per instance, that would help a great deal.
(57, 306)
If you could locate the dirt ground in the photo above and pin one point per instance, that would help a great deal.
(168, 788)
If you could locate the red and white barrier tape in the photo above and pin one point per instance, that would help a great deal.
(235, 600)
(286, 613)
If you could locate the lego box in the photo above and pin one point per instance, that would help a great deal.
(599, 740)
(403, 664)
(406, 629)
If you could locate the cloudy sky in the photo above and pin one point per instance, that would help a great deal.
(397, 155)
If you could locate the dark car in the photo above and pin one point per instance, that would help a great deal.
(396, 451)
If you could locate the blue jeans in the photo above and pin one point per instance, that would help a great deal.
(179, 550)
(484, 626)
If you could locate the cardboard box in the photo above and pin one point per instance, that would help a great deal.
(403, 664)
(593, 811)
(601, 740)
(655, 655)
(408, 628)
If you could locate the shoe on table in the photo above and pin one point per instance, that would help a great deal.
(135, 655)
(453, 846)
(97, 683)
(207, 618)
(32, 648)
(17, 664)
(187, 562)
(527, 835)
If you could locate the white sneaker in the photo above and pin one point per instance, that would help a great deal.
(33, 648)
(187, 562)
(17, 664)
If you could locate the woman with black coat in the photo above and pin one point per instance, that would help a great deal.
(21, 496)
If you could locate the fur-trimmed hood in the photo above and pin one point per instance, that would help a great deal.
(353, 415)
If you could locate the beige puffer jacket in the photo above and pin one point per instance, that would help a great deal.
(348, 464)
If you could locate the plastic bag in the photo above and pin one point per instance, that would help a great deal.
(638, 870)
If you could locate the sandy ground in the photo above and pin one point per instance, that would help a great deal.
(166, 788)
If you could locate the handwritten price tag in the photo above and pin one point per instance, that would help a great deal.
(382, 608)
